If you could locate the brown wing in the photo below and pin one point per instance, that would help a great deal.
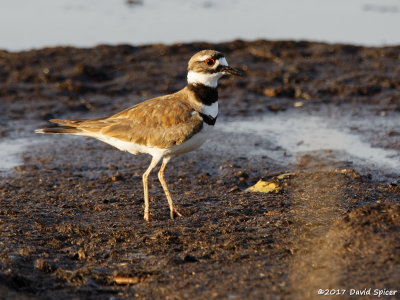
(160, 122)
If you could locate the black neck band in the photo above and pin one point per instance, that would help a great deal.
(207, 95)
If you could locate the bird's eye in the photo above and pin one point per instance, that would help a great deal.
(210, 62)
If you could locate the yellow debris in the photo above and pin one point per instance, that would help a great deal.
(264, 187)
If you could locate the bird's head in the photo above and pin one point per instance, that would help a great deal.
(207, 67)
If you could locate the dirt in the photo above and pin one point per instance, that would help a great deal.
(71, 215)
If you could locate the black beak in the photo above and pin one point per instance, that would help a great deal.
(231, 71)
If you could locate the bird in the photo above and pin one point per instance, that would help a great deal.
(162, 127)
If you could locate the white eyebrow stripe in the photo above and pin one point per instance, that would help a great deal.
(221, 60)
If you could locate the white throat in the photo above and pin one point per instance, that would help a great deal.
(207, 79)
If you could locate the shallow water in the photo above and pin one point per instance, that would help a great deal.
(85, 23)
(11, 152)
(356, 138)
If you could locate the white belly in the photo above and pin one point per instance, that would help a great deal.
(131, 147)
(191, 144)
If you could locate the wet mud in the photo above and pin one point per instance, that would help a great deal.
(71, 211)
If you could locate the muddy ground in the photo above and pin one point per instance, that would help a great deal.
(71, 214)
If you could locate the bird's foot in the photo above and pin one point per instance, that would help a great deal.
(175, 212)
(146, 216)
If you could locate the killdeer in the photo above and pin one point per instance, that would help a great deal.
(164, 126)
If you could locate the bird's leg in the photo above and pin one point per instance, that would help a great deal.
(145, 177)
(165, 188)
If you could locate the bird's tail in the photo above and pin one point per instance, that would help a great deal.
(59, 130)
(68, 127)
